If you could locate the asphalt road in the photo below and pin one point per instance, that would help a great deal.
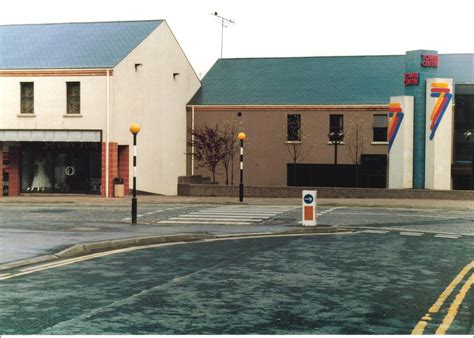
(372, 282)
(32, 230)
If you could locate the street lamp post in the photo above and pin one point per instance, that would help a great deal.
(134, 129)
(336, 138)
(241, 137)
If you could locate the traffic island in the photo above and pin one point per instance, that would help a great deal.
(85, 249)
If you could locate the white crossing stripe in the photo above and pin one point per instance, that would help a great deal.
(220, 214)
(447, 236)
(238, 215)
(414, 234)
(202, 222)
(375, 231)
(153, 212)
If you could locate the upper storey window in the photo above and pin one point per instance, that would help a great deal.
(27, 97)
(73, 97)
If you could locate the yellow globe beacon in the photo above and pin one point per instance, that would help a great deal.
(242, 136)
(135, 128)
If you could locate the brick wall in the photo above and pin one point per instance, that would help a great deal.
(123, 167)
(113, 168)
(14, 183)
(214, 190)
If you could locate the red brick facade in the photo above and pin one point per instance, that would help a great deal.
(14, 186)
(123, 167)
(113, 168)
(118, 167)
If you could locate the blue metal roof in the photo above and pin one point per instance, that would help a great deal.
(303, 80)
(317, 80)
(71, 45)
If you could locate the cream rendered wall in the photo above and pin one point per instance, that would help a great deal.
(400, 159)
(50, 103)
(150, 95)
(439, 149)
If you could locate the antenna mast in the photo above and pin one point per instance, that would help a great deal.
(224, 23)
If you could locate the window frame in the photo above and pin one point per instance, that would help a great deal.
(293, 128)
(24, 98)
(378, 130)
(71, 98)
(333, 128)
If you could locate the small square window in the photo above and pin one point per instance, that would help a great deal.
(336, 123)
(380, 124)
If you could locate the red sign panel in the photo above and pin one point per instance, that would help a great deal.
(411, 79)
(430, 60)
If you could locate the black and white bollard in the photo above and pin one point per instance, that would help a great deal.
(241, 137)
(134, 129)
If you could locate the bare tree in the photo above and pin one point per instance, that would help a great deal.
(231, 146)
(209, 148)
(356, 140)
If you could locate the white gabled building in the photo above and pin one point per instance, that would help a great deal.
(68, 94)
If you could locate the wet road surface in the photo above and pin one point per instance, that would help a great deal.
(363, 283)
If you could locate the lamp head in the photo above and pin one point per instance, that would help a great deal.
(135, 128)
(241, 136)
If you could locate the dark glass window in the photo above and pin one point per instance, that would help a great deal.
(380, 127)
(463, 122)
(336, 123)
(73, 97)
(27, 98)
(294, 127)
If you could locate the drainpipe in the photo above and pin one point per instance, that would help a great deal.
(107, 138)
(192, 140)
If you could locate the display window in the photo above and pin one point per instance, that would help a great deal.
(61, 168)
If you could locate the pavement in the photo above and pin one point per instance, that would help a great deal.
(115, 236)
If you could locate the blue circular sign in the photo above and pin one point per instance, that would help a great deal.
(308, 198)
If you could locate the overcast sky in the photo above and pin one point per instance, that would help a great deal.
(278, 27)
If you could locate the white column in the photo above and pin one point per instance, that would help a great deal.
(439, 133)
(400, 137)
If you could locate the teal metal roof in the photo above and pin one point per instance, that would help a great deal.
(303, 80)
(317, 80)
(71, 45)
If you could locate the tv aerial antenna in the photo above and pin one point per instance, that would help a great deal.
(224, 23)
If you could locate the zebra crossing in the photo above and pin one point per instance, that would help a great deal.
(229, 215)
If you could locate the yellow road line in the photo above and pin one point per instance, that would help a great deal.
(442, 298)
(420, 327)
(454, 308)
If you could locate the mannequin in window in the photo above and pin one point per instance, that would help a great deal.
(41, 180)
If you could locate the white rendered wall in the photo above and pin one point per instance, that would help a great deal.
(50, 103)
(152, 86)
(400, 162)
(438, 145)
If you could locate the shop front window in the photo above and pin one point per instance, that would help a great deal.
(61, 168)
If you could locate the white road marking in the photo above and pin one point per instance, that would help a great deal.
(215, 219)
(153, 212)
(447, 236)
(238, 215)
(374, 231)
(202, 222)
(329, 210)
(414, 234)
